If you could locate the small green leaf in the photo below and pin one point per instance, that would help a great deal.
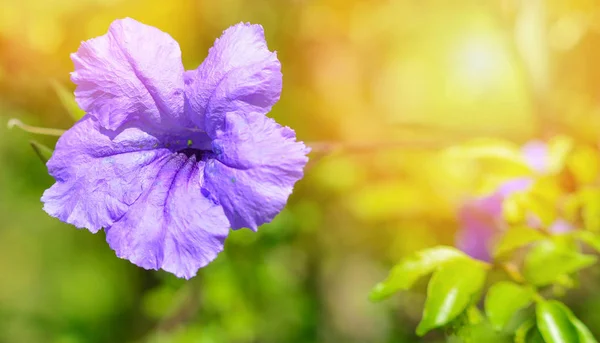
(42, 151)
(589, 238)
(554, 323)
(535, 336)
(514, 210)
(409, 270)
(559, 148)
(67, 99)
(548, 261)
(477, 333)
(474, 315)
(490, 149)
(590, 210)
(524, 330)
(584, 334)
(540, 200)
(453, 287)
(515, 238)
(503, 300)
(584, 164)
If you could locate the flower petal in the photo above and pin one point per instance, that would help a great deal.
(257, 163)
(516, 185)
(479, 225)
(537, 156)
(148, 197)
(239, 73)
(132, 73)
(97, 178)
(174, 225)
(482, 219)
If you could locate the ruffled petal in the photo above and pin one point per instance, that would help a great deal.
(97, 178)
(174, 226)
(240, 73)
(146, 191)
(256, 166)
(132, 73)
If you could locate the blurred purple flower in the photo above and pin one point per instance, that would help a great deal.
(537, 156)
(560, 226)
(167, 160)
(481, 219)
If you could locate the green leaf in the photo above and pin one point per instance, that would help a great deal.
(548, 261)
(528, 333)
(589, 238)
(524, 330)
(554, 324)
(478, 333)
(408, 271)
(466, 321)
(541, 199)
(67, 99)
(474, 315)
(559, 148)
(515, 238)
(453, 287)
(42, 151)
(583, 333)
(535, 336)
(584, 164)
(490, 148)
(503, 300)
(514, 210)
(590, 210)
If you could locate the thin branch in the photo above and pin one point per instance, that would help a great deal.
(362, 147)
(513, 272)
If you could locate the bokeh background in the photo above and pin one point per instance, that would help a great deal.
(380, 88)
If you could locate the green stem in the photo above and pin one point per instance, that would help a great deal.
(513, 272)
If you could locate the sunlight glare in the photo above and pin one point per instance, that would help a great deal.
(482, 61)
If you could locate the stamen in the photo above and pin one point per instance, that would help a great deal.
(189, 152)
(34, 129)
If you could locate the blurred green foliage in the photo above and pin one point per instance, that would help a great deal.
(433, 74)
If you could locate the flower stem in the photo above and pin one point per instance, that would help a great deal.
(34, 129)
(513, 272)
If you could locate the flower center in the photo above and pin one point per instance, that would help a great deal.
(189, 152)
(199, 146)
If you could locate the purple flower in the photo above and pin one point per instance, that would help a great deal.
(537, 156)
(481, 219)
(167, 160)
